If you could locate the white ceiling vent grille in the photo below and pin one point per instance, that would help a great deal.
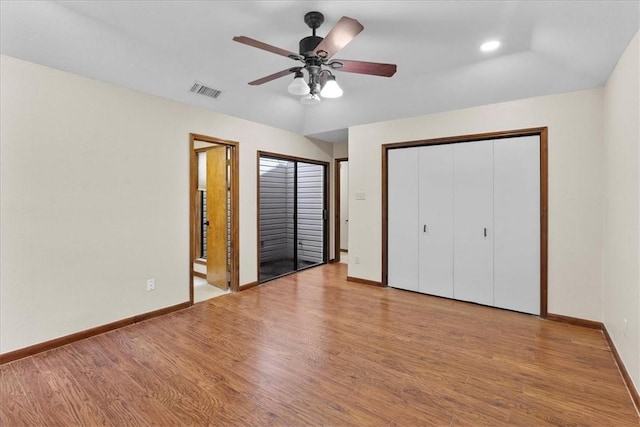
(201, 89)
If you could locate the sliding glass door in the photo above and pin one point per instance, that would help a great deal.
(311, 214)
(276, 192)
(292, 215)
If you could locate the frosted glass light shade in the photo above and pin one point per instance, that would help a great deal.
(331, 89)
(310, 99)
(490, 46)
(298, 86)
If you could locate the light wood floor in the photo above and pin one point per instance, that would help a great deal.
(314, 349)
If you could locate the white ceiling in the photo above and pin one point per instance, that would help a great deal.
(162, 47)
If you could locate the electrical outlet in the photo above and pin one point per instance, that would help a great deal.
(625, 327)
(361, 196)
(356, 260)
(151, 284)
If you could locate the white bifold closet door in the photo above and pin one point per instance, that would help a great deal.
(464, 221)
(403, 214)
(436, 220)
(473, 219)
(517, 224)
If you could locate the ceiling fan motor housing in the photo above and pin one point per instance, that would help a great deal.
(308, 45)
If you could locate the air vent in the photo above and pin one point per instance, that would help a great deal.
(201, 89)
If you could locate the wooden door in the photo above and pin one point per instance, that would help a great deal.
(217, 210)
(517, 224)
(473, 222)
(344, 207)
(404, 228)
(436, 220)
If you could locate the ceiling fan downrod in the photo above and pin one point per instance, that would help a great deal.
(308, 45)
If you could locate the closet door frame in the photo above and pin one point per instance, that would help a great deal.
(541, 132)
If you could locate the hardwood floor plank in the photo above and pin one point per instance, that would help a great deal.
(53, 366)
(314, 349)
(16, 407)
(121, 399)
(177, 400)
(42, 391)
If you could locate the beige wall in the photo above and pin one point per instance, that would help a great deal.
(621, 255)
(341, 150)
(94, 185)
(575, 194)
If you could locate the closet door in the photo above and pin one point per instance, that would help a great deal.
(403, 228)
(517, 224)
(473, 222)
(436, 220)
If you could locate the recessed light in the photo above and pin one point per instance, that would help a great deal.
(490, 46)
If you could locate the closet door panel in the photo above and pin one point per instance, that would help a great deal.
(473, 222)
(436, 220)
(517, 224)
(403, 228)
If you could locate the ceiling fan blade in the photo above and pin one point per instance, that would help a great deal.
(274, 76)
(340, 35)
(264, 46)
(363, 67)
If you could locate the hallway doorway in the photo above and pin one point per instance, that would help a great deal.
(341, 215)
(213, 215)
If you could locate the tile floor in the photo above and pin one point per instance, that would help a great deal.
(203, 291)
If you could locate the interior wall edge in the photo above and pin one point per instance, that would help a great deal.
(621, 205)
(628, 381)
(624, 373)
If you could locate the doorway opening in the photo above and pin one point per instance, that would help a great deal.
(292, 214)
(341, 214)
(214, 260)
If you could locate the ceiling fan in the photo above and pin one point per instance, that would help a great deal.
(315, 53)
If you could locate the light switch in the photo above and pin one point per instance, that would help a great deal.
(361, 196)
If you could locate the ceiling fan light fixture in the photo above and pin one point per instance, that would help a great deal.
(298, 86)
(490, 46)
(310, 99)
(331, 88)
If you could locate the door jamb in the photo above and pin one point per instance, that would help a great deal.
(336, 209)
(235, 216)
